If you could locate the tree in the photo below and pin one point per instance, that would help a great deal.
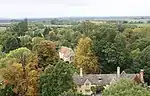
(141, 43)
(71, 93)
(87, 28)
(47, 54)
(130, 35)
(46, 31)
(20, 28)
(3, 36)
(125, 87)
(110, 48)
(1, 53)
(35, 42)
(23, 73)
(39, 25)
(7, 90)
(26, 41)
(23, 27)
(144, 62)
(19, 53)
(58, 81)
(84, 58)
(11, 43)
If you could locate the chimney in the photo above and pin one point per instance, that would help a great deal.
(141, 75)
(118, 72)
(81, 74)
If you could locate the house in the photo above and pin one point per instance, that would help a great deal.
(67, 54)
(86, 82)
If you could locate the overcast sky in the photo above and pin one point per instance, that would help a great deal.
(67, 8)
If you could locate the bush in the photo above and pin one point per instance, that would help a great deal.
(126, 87)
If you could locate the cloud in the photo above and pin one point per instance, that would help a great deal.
(62, 8)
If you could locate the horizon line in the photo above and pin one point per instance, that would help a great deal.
(69, 17)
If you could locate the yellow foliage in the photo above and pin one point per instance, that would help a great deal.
(85, 58)
(25, 81)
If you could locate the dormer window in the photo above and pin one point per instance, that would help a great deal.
(99, 78)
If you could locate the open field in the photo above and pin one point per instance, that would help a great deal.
(2, 28)
(143, 25)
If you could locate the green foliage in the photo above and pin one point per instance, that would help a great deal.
(19, 53)
(20, 28)
(110, 48)
(1, 53)
(145, 63)
(7, 90)
(39, 25)
(58, 81)
(71, 93)
(35, 42)
(141, 43)
(11, 43)
(3, 36)
(26, 41)
(93, 89)
(125, 87)
(46, 31)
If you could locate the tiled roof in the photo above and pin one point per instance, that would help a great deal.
(66, 51)
(100, 79)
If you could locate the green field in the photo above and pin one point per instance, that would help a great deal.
(2, 28)
(143, 25)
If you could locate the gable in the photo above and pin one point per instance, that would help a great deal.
(87, 81)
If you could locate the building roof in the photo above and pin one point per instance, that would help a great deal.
(66, 51)
(100, 79)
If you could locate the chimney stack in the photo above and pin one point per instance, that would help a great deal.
(81, 74)
(142, 75)
(118, 72)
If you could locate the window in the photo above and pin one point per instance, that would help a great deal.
(99, 79)
(80, 91)
(79, 86)
(87, 84)
(87, 90)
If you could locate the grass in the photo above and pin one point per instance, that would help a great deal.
(2, 28)
(143, 25)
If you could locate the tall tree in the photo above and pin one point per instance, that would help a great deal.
(3, 36)
(20, 28)
(84, 57)
(35, 42)
(26, 41)
(58, 81)
(46, 31)
(145, 63)
(11, 43)
(46, 53)
(23, 84)
(23, 73)
(110, 48)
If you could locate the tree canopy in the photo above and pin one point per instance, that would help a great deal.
(125, 87)
(57, 81)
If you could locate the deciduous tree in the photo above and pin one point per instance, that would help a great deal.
(58, 81)
(47, 54)
(23, 73)
(125, 87)
(84, 58)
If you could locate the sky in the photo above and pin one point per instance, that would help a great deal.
(73, 8)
